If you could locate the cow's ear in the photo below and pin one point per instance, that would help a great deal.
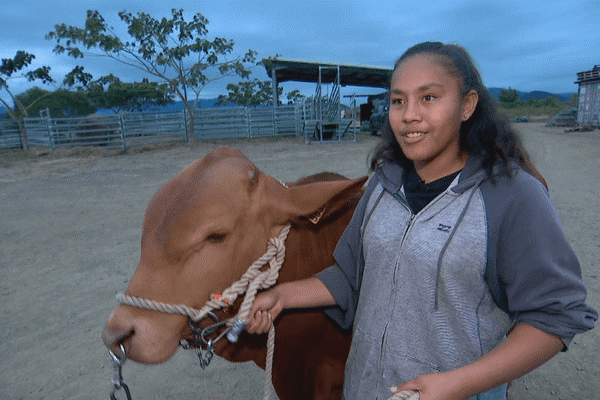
(316, 201)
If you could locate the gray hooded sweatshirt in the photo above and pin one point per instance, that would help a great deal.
(435, 291)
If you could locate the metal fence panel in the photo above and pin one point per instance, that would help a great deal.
(132, 129)
(94, 130)
(273, 121)
(37, 131)
(10, 137)
(221, 123)
(149, 128)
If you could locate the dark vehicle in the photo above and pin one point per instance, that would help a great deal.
(380, 113)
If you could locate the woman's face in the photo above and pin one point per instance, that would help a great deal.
(426, 110)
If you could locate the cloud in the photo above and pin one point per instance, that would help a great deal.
(525, 44)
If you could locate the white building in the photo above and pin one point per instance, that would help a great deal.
(588, 112)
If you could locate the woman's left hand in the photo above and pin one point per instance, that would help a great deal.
(433, 387)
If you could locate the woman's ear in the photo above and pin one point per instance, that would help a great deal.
(469, 103)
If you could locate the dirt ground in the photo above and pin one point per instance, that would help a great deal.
(69, 240)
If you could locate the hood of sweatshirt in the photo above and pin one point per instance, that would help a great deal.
(391, 176)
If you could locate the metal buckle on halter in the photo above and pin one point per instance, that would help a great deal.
(200, 338)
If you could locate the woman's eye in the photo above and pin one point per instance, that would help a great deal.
(428, 97)
(216, 237)
(397, 101)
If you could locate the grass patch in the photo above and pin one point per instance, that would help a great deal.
(532, 111)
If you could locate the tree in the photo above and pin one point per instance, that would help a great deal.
(249, 93)
(172, 50)
(109, 92)
(255, 93)
(60, 103)
(11, 69)
(509, 98)
(573, 101)
(295, 97)
(551, 101)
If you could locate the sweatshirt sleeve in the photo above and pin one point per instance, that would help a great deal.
(537, 267)
(344, 277)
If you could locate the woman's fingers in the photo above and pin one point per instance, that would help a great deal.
(259, 323)
(263, 311)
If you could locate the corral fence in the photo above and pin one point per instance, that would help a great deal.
(141, 128)
(10, 137)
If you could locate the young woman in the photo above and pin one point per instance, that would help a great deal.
(454, 274)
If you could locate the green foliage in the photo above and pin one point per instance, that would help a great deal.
(550, 101)
(8, 70)
(109, 92)
(511, 106)
(535, 109)
(509, 97)
(173, 50)
(249, 93)
(11, 68)
(61, 102)
(573, 101)
(255, 93)
(294, 96)
(22, 59)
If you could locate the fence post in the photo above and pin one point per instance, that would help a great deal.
(122, 127)
(46, 114)
(276, 111)
(22, 139)
(185, 125)
(297, 118)
(248, 122)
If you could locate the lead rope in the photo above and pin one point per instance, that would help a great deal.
(252, 280)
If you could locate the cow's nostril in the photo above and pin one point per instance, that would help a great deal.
(113, 340)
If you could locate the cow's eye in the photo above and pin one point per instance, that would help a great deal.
(216, 237)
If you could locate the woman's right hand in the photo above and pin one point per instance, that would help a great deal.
(266, 308)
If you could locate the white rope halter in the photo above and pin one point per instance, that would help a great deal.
(252, 280)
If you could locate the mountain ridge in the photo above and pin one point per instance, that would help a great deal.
(209, 103)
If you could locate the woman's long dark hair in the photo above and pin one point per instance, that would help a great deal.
(487, 134)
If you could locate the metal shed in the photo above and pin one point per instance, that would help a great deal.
(588, 112)
(322, 113)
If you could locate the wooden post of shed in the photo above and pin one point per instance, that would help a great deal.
(274, 85)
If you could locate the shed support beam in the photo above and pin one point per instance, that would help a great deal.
(274, 85)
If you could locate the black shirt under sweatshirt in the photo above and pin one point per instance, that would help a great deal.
(419, 194)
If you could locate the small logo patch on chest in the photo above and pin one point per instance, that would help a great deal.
(444, 228)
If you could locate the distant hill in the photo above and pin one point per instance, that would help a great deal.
(536, 94)
(209, 103)
(177, 106)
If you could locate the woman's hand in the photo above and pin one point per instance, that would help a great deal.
(267, 306)
(305, 293)
(432, 387)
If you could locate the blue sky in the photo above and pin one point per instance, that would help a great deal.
(527, 45)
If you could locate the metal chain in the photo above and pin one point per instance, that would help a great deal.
(118, 382)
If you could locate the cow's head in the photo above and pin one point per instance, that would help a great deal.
(201, 231)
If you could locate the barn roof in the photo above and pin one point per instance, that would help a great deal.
(308, 71)
(589, 76)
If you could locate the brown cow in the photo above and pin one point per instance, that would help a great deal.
(202, 230)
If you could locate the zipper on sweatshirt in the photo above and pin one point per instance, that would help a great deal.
(404, 236)
(381, 350)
